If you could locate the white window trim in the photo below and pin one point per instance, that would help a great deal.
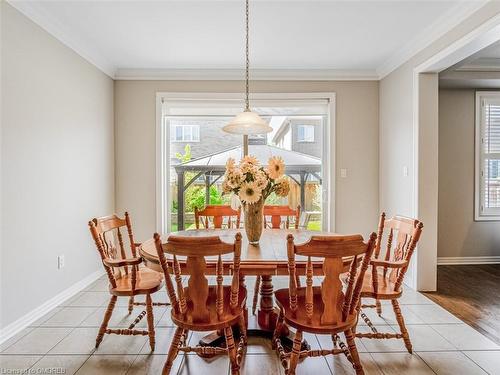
(478, 164)
(163, 149)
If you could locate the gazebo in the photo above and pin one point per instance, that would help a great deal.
(299, 167)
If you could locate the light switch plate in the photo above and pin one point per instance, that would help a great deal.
(343, 172)
(405, 171)
(60, 261)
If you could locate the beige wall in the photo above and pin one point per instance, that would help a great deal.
(397, 141)
(458, 234)
(57, 164)
(356, 149)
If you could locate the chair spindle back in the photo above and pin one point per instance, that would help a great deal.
(337, 305)
(110, 244)
(276, 212)
(403, 234)
(217, 213)
(195, 250)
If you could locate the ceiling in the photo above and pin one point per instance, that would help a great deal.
(480, 70)
(322, 39)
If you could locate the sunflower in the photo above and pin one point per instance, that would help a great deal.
(276, 167)
(282, 187)
(249, 193)
(248, 168)
(261, 179)
(250, 159)
(226, 188)
(234, 177)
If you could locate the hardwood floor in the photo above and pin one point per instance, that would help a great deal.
(472, 293)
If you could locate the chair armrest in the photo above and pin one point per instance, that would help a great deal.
(389, 264)
(122, 262)
(137, 244)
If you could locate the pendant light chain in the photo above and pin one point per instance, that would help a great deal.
(247, 89)
(247, 122)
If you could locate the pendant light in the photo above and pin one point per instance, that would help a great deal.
(247, 122)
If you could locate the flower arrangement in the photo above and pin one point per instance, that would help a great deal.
(252, 182)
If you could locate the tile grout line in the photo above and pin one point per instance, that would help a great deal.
(69, 333)
(376, 363)
(84, 362)
(17, 339)
(445, 337)
(423, 360)
(44, 355)
(319, 344)
(465, 354)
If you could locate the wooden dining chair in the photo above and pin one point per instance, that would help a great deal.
(213, 216)
(325, 309)
(384, 281)
(276, 213)
(200, 306)
(125, 277)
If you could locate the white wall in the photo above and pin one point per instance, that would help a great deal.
(397, 139)
(357, 147)
(57, 164)
(458, 234)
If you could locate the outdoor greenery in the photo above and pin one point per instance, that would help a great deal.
(195, 197)
(195, 194)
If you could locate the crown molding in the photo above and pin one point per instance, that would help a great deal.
(238, 74)
(34, 11)
(38, 15)
(436, 30)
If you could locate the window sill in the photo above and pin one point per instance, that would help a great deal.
(479, 218)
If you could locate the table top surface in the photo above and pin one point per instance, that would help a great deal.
(272, 247)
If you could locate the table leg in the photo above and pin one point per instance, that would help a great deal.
(266, 315)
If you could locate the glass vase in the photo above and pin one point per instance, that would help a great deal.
(253, 217)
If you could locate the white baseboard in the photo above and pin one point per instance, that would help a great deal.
(494, 259)
(24, 321)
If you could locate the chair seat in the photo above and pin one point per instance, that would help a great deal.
(301, 321)
(385, 289)
(211, 322)
(148, 281)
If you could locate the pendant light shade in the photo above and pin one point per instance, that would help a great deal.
(247, 123)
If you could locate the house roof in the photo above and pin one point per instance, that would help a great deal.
(295, 162)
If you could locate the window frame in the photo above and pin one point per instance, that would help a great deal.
(306, 126)
(163, 146)
(481, 214)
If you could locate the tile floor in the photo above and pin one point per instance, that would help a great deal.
(64, 340)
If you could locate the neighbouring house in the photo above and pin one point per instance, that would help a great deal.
(204, 137)
(301, 134)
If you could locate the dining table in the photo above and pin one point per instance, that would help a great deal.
(266, 259)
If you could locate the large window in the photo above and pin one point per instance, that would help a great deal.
(197, 151)
(487, 173)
